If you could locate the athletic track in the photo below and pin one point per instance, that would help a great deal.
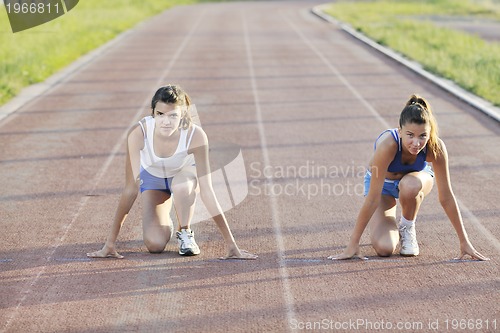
(303, 101)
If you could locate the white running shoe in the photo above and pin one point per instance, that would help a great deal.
(408, 240)
(187, 244)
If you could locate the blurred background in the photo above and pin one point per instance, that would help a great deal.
(455, 39)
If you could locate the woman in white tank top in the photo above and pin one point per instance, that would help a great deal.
(168, 154)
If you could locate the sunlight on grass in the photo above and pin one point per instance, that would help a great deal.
(405, 26)
(32, 55)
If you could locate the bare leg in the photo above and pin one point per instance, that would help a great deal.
(156, 223)
(384, 232)
(184, 186)
(413, 187)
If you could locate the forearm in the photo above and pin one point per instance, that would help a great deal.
(221, 223)
(217, 214)
(451, 209)
(364, 217)
(115, 229)
(127, 199)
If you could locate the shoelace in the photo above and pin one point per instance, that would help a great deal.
(186, 240)
(409, 235)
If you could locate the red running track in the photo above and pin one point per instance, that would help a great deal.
(304, 102)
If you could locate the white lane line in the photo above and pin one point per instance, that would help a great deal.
(301, 260)
(477, 102)
(337, 73)
(83, 202)
(287, 293)
(479, 226)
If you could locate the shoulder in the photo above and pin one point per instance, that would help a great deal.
(386, 142)
(441, 144)
(385, 151)
(135, 133)
(142, 123)
(441, 152)
(199, 136)
(199, 141)
(134, 129)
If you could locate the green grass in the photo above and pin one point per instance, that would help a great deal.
(404, 26)
(32, 55)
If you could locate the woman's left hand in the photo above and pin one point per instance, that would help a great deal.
(236, 253)
(467, 248)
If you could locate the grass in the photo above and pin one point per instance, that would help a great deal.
(32, 55)
(404, 26)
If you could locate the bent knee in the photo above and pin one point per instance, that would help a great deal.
(411, 195)
(384, 249)
(155, 246)
(131, 191)
(384, 252)
(411, 188)
(184, 192)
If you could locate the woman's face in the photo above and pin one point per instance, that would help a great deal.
(167, 118)
(414, 137)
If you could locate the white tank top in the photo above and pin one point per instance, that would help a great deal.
(169, 166)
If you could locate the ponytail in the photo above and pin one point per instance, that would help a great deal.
(186, 120)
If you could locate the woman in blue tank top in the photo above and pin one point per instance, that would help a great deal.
(168, 154)
(399, 169)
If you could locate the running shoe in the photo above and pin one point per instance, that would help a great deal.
(187, 244)
(408, 240)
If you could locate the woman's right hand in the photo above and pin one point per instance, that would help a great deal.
(352, 251)
(106, 252)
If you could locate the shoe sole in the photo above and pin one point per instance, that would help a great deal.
(409, 254)
(188, 253)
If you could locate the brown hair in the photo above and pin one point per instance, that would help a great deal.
(173, 94)
(418, 110)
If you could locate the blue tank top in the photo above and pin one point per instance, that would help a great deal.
(396, 164)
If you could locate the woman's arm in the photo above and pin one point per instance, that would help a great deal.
(386, 149)
(199, 148)
(448, 202)
(127, 198)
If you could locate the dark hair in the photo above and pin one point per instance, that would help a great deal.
(173, 94)
(417, 110)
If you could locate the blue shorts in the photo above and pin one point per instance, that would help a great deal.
(391, 187)
(150, 182)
